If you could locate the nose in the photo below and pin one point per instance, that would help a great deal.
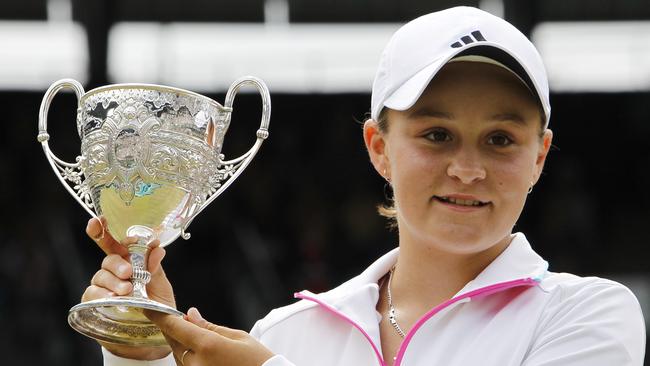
(467, 168)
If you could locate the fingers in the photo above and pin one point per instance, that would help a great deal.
(195, 317)
(96, 230)
(112, 279)
(207, 343)
(230, 346)
(118, 270)
(189, 335)
(95, 292)
(112, 283)
(118, 266)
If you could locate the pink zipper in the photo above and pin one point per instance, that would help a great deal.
(484, 291)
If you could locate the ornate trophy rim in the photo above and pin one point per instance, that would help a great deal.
(119, 320)
(157, 87)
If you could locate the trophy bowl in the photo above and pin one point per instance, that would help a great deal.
(150, 163)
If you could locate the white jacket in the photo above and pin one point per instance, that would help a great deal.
(515, 312)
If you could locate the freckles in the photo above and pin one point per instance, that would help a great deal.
(501, 186)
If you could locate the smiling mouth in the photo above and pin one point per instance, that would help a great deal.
(460, 202)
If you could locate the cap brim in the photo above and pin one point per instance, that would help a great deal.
(406, 95)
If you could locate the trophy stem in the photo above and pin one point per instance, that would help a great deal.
(139, 256)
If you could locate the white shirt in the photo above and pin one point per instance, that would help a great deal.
(514, 312)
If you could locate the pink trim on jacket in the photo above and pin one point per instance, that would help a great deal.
(484, 291)
(332, 310)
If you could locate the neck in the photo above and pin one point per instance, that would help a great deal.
(425, 277)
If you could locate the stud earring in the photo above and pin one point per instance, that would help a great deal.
(385, 175)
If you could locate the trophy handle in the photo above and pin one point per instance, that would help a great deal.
(229, 170)
(64, 170)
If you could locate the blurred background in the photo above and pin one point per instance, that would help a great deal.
(303, 214)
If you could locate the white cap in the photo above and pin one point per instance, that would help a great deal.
(420, 48)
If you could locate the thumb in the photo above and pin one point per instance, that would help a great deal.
(159, 288)
(96, 230)
(195, 317)
(156, 256)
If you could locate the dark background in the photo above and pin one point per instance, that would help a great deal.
(303, 214)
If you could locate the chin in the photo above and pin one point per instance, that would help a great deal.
(461, 240)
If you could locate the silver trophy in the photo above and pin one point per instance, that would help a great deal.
(150, 162)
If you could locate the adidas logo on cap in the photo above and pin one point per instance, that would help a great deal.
(468, 39)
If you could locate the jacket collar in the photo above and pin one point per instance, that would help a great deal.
(356, 300)
(517, 261)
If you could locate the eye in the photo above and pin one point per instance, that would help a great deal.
(499, 139)
(438, 135)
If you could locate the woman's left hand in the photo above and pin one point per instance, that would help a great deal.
(195, 341)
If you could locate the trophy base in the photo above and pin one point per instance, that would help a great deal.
(120, 320)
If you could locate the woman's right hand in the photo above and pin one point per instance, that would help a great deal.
(113, 279)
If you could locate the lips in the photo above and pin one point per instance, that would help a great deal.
(461, 201)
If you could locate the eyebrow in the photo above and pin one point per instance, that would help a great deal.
(505, 117)
(428, 112)
(499, 117)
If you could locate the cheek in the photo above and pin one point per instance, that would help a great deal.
(512, 181)
(513, 178)
(416, 168)
(414, 174)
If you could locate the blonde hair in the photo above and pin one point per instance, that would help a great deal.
(386, 209)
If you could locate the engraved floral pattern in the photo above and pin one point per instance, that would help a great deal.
(137, 138)
(74, 175)
(155, 135)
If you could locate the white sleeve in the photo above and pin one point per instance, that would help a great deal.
(277, 360)
(113, 360)
(600, 324)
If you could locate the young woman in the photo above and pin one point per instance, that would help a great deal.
(459, 127)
